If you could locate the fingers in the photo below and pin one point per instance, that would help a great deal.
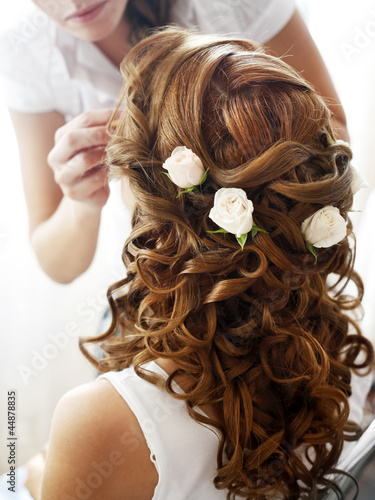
(84, 188)
(35, 468)
(88, 119)
(74, 169)
(78, 157)
(45, 448)
(99, 197)
(75, 141)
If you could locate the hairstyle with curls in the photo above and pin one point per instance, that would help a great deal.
(263, 332)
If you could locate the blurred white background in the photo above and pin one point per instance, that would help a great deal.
(40, 320)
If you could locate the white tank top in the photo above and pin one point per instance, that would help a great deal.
(183, 451)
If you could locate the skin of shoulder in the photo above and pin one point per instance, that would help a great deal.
(97, 449)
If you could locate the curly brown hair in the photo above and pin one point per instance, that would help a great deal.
(263, 332)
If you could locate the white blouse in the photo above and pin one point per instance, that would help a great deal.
(182, 450)
(51, 70)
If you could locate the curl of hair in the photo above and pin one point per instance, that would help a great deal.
(264, 332)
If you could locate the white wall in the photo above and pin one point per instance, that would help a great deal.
(345, 33)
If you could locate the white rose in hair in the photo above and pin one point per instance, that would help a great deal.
(232, 211)
(184, 167)
(324, 228)
(359, 181)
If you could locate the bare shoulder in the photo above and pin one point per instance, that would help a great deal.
(97, 447)
(95, 407)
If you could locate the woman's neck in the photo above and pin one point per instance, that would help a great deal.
(117, 44)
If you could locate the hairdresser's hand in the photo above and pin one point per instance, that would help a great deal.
(77, 158)
(35, 468)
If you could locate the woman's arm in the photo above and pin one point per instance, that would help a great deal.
(64, 202)
(296, 45)
(97, 449)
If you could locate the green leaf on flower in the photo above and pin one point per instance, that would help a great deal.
(168, 175)
(187, 190)
(256, 229)
(204, 178)
(312, 249)
(194, 188)
(242, 240)
(218, 231)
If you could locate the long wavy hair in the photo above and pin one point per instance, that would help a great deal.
(263, 332)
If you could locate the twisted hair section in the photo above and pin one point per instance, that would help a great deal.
(266, 335)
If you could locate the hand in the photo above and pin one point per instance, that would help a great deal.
(78, 158)
(35, 469)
